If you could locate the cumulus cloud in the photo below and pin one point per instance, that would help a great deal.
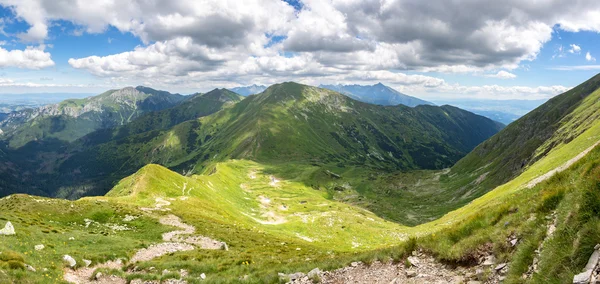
(575, 49)
(266, 41)
(589, 57)
(30, 58)
(502, 75)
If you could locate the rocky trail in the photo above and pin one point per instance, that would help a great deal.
(419, 268)
(173, 241)
(562, 167)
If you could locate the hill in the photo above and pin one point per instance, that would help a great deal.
(74, 118)
(259, 221)
(291, 124)
(378, 94)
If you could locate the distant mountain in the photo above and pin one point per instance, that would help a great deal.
(378, 94)
(193, 107)
(505, 111)
(249, 90)
(74, 118)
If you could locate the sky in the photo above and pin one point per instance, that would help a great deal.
(435, 49)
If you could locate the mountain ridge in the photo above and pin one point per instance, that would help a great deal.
(73, 118)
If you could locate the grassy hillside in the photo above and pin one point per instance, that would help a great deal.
(288, 123)
(261, 216)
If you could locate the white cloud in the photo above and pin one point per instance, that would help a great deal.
(589, 57)
(502, 75)
(198, 43)
(576, 49)
(30, 58)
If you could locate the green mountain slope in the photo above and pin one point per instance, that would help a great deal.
(294, 124)
(420, 197)
(72, 119)
(35, 168)
(190, 108)
(542, 223)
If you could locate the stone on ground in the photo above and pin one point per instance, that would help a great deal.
(8, 229)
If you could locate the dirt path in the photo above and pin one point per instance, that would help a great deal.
(425, 269)
(562, 167)
(173, 241)
(84, 275)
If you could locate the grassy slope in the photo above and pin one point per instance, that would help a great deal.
(425, 196)
(293, 123)
(227, 207)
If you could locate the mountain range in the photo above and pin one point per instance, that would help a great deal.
(266, 188)
(292, 122)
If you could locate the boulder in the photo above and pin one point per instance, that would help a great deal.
(70, 260)
(8, 229)
(39, 247)
(582, 278)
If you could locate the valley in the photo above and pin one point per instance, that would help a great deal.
(265, 189)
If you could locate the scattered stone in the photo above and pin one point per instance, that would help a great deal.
(165, 272)
(87, 262)
(597, 247)
(39, 247)
(224, 246)
(413, 260)
(314, 273)
(489, 261)
(500, 266)
(411, 273)
(474, 282)
(30, 268)
(71, 239)
(8, 230)
(183, 273)
(98, 276)
(70, 260)
(514, 242)
(129, 218)
(296, 276)
(203, 276)
(355, 264)
(298, 249)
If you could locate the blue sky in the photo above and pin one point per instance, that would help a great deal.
(519, 52)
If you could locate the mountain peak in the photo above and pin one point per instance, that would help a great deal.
(378, 94)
